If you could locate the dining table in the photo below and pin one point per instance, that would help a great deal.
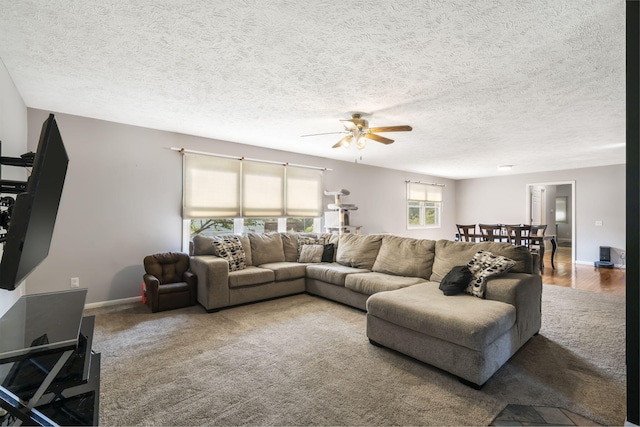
(533, 240)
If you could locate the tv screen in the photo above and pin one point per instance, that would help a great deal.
(34, 213)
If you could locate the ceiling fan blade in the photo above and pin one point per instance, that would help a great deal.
(316, 134)
(349, 124)
(378, 138)
(403, 128)
(344, 142)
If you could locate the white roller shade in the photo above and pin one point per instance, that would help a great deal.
(424, 192)
(211, 187)
(304, 192)
(262, 190)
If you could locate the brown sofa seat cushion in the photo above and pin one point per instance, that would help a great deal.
(250, 276)
(333, 273)
(404, 256)
(286, 270)
(461, 319)
(371, 283)
(449, 254)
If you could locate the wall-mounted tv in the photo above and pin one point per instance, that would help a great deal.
(33, 215)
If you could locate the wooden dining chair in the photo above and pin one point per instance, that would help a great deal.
(467, 233)
(491, 232)
(519, 235)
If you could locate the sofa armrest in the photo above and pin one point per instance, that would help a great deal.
(213, 280)
(524, 292)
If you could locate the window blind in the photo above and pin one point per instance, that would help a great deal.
(219, 187)
(304, 192)
(424, 192)
(211, 187)
(262, 190)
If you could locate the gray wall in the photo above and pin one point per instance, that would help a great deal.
(123, 194)
(600, 195)
(13, 134)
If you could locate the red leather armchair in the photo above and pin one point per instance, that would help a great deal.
(168, 282)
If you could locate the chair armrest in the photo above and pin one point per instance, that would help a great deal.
(192, 280)
(151, 283)
(524, 292)
(213, 280)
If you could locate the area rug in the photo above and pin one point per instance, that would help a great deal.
(303, 360)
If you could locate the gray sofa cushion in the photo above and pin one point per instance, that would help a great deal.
(450, 254)
(358, 251)
(290, 246)
(266, 247)
(461, 319)
(371, 283)
(250, 276)
(203, 245)
(286, 270)
(333, 273)
(404, 256)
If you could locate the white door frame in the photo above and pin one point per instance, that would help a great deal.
(573, 210)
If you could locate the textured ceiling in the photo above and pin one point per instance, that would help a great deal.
(538, 84)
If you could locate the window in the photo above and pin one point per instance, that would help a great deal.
(223, 195)
(424, 205)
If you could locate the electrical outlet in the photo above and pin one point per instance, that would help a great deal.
(622, 255)
(75, 282)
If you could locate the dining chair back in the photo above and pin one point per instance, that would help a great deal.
(491, 232)
(519, 234)
(538, 230)
(467, 232)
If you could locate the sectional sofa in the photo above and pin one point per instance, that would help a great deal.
(396, 280)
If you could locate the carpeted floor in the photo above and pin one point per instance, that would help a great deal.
(303, 360)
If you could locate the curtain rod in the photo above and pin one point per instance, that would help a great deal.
(204, 153)
(427, 183)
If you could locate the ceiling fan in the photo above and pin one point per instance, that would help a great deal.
(358, 128)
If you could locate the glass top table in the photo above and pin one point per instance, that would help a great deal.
(41, 323)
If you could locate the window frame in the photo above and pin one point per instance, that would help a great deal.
(420, 200)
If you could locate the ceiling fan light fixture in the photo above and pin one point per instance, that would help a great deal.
(361, 143)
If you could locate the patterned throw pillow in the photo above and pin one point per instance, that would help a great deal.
(230, 249)
(311, 253)
(302, 241)
(484, 265)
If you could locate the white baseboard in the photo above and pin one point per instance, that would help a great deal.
(112, 302)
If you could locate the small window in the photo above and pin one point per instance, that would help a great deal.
(424, 205)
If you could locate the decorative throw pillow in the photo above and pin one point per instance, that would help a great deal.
(456, 280)
(311, 253)
(303, 241)
(328, 253)
(230, 249)
(484, 265)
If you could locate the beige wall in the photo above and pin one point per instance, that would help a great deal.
(600, 196)
(123, 194)
(13, 134)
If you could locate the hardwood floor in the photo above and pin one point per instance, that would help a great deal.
(585, 277)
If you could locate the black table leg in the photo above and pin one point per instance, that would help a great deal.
(554, 248)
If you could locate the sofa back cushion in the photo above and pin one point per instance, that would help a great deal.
(404, 256)
(290, 246)
(203, 245)
(358, 251)
(266, 248)
(449, 254)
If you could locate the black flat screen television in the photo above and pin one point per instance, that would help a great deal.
(34, 213)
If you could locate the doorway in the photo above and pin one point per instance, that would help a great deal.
(553, 204)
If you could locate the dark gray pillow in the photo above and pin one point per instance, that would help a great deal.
(456, 280)
(329, 252)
